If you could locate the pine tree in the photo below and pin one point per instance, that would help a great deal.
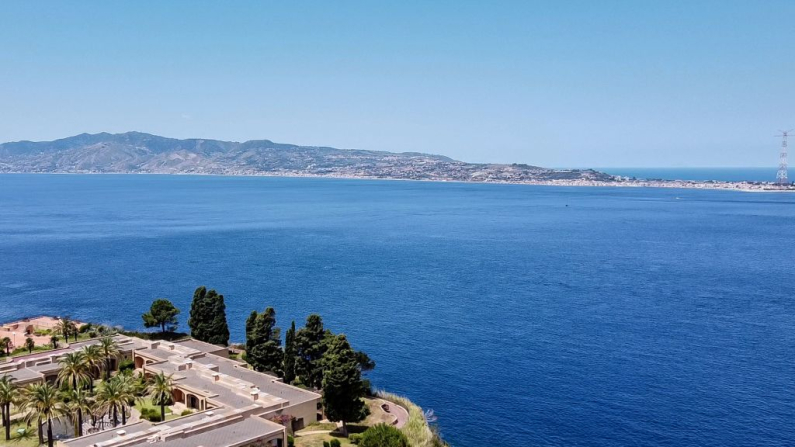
(162, 314)
(310, 346)
(342, 383)
(289, 354)
(208, 317)
(263, 342)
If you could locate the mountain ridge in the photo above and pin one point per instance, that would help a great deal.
(139, 152)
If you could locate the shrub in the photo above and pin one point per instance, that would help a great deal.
(92, 334)
(335, 443)
(150, 414)
(326, 444)
(382, 435)
(85, 328)
(355, 438)
(290, 441)
(126, 365)
(185, 412)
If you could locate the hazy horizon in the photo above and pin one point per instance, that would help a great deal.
(542, 83)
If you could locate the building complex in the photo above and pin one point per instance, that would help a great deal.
(232, 405)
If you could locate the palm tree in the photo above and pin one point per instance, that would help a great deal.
(67, 327)
(95, 362)
(114, 395)
(30, 344)
(9, 394)
(54, 341)
(42, 403)
(160, 391)
(74, 370)
(110, 350)
(5, 343)
(134, 387)
(78, 402)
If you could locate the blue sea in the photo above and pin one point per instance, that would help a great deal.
(522, 315)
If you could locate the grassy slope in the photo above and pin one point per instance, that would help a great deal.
(416, 429)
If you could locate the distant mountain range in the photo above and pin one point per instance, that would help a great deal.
(136, 152)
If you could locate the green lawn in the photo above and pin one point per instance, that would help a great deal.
(317, 440)
(147, 403)
(29, 438)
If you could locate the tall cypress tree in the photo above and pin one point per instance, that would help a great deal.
(289, 354)
(263, 342)
(342, 383)
(208, 317)
(310, 346)
(251, 322)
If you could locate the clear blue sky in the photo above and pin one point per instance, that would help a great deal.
(557, 83)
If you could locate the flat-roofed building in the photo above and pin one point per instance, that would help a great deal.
(233, 406)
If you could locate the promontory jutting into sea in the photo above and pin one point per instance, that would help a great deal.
(396, 224)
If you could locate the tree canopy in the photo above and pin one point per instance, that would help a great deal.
(289, 355)
(383, 435)
(208, 317)
(162, 314)
(310, 346)
(263, 342)
(342, 383)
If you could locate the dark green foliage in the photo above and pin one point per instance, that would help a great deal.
(365, 362)
(290, 441)
(342, 383)
(335, 443)
(151, 414)
(355, 438)
(382, 435)
(126, 365)
(263, 342)
(326, 444)
(208, 317)
(251, 323)
(289, 355)
(310, 346)
(162, 314)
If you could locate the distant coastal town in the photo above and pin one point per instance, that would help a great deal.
(141, 153)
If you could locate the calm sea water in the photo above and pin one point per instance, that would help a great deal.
(723, 174)
(521, 315)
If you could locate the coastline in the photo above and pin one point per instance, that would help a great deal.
(755, 187)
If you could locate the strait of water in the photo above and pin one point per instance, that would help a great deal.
(522, 315)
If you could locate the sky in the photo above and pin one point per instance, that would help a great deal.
(552, 83)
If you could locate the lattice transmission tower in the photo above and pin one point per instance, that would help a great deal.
(781, 175)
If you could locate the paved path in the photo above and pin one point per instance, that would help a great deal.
(400, 413)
